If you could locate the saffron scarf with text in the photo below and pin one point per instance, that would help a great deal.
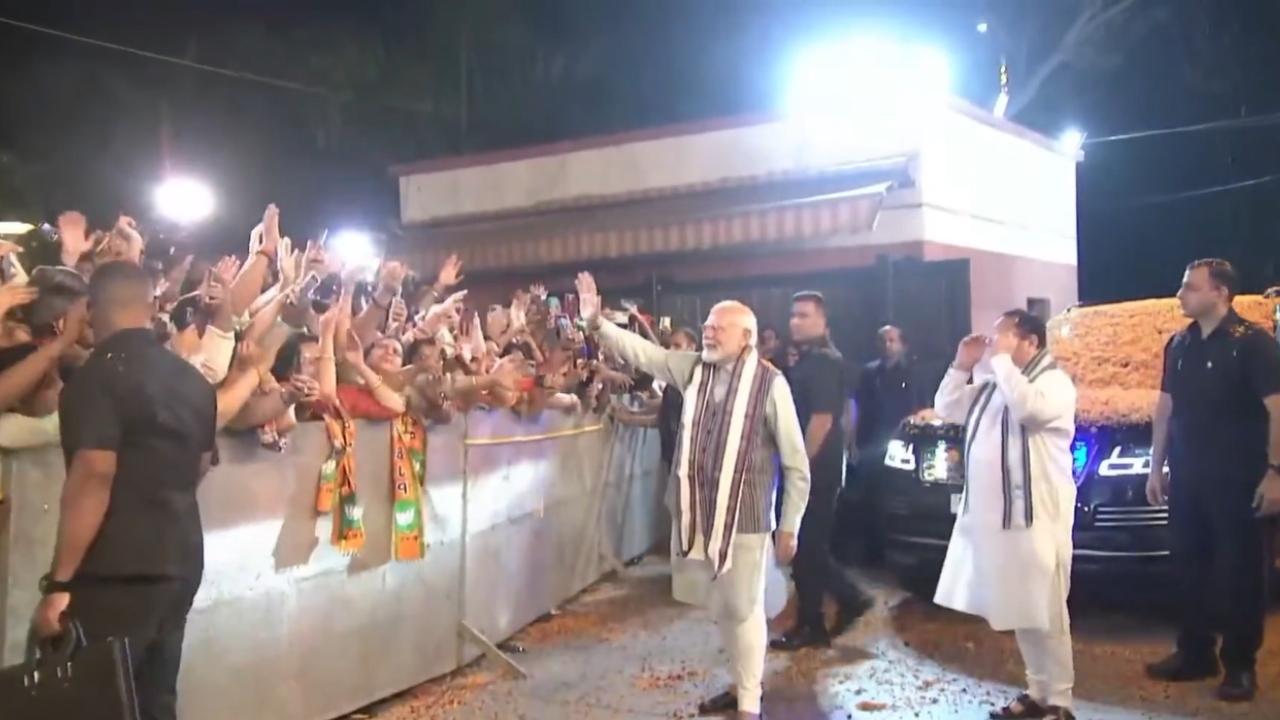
(408, 472)
(337, 491)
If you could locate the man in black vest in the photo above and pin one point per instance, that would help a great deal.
(820, 395)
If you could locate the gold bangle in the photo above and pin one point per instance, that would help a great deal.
(376, 385)
(326, 357)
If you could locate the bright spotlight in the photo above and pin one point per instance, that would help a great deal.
(184, 200)
(1002, 104)
(1071, 141)
(865, 74)
(15, 227)
(983, 28)
(354, 248)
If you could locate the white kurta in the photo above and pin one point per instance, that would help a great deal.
(1017, 578)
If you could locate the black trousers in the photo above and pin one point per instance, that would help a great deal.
(871, 481)
(815, 571)
(152, 614)
(1222, 554)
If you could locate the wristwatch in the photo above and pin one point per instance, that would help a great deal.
(49, 586)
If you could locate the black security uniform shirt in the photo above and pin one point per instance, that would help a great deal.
(888, 394)
(158, 414)
(1219, 425)
(818, 384)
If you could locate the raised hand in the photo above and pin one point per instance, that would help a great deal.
(508, 371)
(225, 272)
(329, 320)
(270, 231)
(588, 298)
(450, 273)
(399, 313)
(288, 264)
(15, 294)
(73, 234)
(439, 312)
(970, 352)
(304, 389)
(249, 357)
(127, 229)
(316, 258)
(212, 292)
(353, 352)
(392, 274)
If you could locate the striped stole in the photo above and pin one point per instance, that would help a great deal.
(1039, 365)
(717, 454)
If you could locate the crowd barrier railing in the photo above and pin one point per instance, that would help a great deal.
(520, 515)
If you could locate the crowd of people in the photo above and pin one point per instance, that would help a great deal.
(158, 353)
(285, 332)
(133, 357)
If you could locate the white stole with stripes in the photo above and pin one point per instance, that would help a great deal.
(714, 547)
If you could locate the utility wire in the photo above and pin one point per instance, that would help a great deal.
(1253, 121)
(1156, 199)
(237, 74)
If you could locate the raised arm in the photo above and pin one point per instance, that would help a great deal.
(955, 394)
(22, 378)
(262, 255)
(671, 367)
(1051, 400)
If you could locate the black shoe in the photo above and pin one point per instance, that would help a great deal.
(722, 704)
(801, 638)
(1238, 686)
(1053, 712)
(1179, 668)
(1023, 707)
(849, 613)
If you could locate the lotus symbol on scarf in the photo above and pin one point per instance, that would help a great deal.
(404, 518)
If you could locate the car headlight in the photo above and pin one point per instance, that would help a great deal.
(900, 455)
(1126, 461)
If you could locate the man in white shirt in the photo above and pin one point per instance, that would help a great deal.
(1009, 560)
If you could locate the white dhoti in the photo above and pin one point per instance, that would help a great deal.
(736, 600)
(1009, 559)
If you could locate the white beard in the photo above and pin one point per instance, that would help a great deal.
(712, 356)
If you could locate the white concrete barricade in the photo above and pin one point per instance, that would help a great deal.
(520, 515)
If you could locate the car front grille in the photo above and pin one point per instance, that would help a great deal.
(1130, 516)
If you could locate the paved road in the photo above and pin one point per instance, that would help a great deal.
(624, 650)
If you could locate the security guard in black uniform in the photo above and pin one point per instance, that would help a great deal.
(818, 384)
(1218, 425)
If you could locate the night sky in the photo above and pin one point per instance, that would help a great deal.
(400, 80)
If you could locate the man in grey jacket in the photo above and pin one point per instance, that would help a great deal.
(738, 415)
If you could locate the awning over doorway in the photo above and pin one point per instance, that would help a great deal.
(756, 213)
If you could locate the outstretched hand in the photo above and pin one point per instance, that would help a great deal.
(15, 294)
(588, 297)
(450, 273)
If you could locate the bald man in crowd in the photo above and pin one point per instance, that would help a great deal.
(738, 417)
